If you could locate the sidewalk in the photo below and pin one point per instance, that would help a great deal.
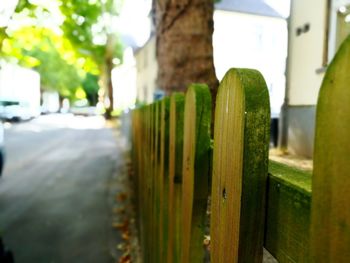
(126, 248)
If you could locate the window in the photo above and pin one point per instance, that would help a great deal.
(339, 25)
(343, 25)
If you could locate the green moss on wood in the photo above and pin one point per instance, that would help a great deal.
(295, 178)
(330, 228)
(288, 213)
(240, 161)
(195, 186)
(176, 128)
(164, 179)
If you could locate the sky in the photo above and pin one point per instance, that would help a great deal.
(6, 9)
(133, 20)
(281, 6)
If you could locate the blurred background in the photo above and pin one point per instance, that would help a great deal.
(99, 57)
(67, 66)
(87, 57)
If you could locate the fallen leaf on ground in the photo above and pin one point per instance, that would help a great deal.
(126, 235)
(125, 259)
(121, 197)
(206, 242)
(121, 246)
(122, 226)
(120, 210)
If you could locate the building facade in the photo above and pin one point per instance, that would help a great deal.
(247, 34)
(146, 72)
(316, 29)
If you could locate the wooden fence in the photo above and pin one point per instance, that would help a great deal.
(253, 203)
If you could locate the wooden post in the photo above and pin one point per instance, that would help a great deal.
(240, 167)
(196, 160)
(330, 212)
(155, 200)
(147, 210)
(136, 128)
(154, 210)
(177, 101)
(163, 179)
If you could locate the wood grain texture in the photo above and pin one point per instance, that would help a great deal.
(144, 151)
(148, 159)
(330, 215)
(163, 178)
(155, 184)
(176, 127)
(287, 234)
(195, 187)
(240, 163)
(136, 129)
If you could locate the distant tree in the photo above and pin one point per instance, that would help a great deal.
(88, 26)
(184, 44)
(56, 73)
(91, 87)
(49, 54)
(3, 35)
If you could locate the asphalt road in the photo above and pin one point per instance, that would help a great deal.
(54, 191)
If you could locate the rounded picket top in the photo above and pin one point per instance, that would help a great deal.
(195, 180)
(330, 212)
(240, 167)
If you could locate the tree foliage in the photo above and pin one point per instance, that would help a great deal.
(87, 25)
(51, 55)
(56, 72)
(91, 87)
(78, 56)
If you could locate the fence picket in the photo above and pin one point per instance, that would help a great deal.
(171, 159)
(330, 212)
(163, 179)
(195, 188)
(240, 166)
(149, 160)
(155, 184)
(175, 176)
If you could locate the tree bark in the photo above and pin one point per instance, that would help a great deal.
(108, 67)
(184, 44)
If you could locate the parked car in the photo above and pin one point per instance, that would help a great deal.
(13, 110)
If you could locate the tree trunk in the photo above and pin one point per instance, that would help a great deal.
(108, 67)
(184, 44)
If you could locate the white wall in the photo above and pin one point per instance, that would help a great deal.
(239, 40)
(249, 41)
(306, 51)
(147, 69)
(124, 82)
